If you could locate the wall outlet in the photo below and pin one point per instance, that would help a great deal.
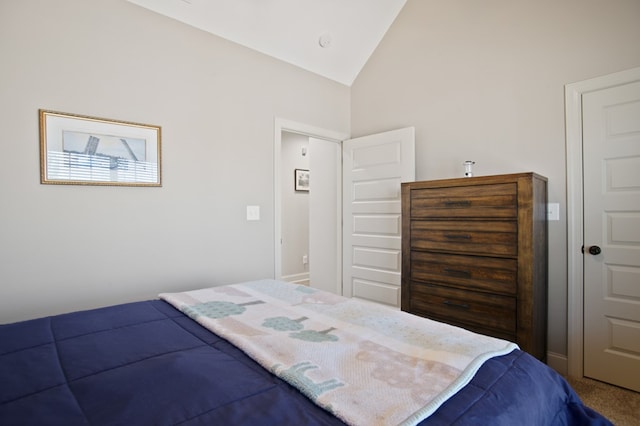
(305, 259)
(553, 211)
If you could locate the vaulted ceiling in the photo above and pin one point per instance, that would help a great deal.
(333, 38)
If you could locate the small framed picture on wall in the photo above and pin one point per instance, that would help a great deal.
(301, 180)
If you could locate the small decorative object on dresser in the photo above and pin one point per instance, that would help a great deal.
(474, 254)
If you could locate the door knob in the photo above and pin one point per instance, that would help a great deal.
(594, 250)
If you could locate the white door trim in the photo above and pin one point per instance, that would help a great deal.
(575, 225)
(281, 125)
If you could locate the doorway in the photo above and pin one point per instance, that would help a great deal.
(322, 262)
(363, 175)
(603, 152)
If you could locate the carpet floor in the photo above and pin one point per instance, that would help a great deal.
(620, 406)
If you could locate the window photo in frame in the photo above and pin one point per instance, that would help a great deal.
(82, 150)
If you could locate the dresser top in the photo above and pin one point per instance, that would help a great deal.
(477, 180)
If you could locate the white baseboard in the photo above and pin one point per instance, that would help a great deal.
(558, 362)
(302, 279)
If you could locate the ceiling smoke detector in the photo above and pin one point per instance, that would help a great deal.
(325, 40)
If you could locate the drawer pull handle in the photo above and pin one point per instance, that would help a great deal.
(458, 272)
(462, 203)
(456, 305)
(458, 236)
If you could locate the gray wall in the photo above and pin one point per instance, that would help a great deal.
(484, 81)
(72, 247)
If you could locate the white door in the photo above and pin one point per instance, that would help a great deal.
(325, 215)
(373, 168)
(611, 155)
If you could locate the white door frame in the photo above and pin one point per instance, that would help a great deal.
(283, 125)
(575, 213)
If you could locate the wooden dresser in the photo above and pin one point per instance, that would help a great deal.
(474, 254)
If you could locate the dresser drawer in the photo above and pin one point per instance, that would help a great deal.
(457, 306)
(465, 236)
(492, 200)
(488, 274)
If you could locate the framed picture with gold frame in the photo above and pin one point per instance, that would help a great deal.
(82, 150)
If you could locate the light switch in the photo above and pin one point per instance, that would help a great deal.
(553, 211)
(253, 212)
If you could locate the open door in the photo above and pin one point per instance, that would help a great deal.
(373, 168)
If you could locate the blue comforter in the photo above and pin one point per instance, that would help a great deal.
(146, 363)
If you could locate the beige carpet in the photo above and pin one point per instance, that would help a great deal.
(619, 405)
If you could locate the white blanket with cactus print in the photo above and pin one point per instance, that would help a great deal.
(365, 363)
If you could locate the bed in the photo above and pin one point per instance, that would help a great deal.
(171, 361)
